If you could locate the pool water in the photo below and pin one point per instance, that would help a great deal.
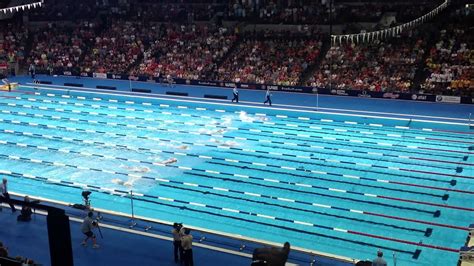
(345, 185)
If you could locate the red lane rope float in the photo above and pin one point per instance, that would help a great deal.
(453, 131)
(431, 187)
(418, 221)
(440, 161)
(404, 241)
(434, 149)
(436, 173)
(451, 140)
(428, 203)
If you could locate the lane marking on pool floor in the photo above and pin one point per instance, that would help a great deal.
(246, 213)
(169, 202)
(278, 181)
(251, 130)
(165, 182)
(149, 127)
(122, 135)
(249, 177)
(444, 197)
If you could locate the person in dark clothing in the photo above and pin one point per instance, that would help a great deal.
(177, 234)
(186, 243)
(271, 256)
(5, 196)
(25, 215)
(32, 70)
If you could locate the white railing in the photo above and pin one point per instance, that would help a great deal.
(389, 32)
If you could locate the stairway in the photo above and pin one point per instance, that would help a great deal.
(312, 68)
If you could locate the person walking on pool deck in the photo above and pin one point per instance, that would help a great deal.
(235, 92)
(186, 243)
(178, 249)
(86, 229)
(268, 100)
(379, 261)
(5, 196)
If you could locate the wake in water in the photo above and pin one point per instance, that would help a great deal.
(249, 119)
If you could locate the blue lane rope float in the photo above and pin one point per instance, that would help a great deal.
(165, 201)
(427, 232)
(265, 124)
(243, 129)
(187, 132)
(211, 177)
(124, 146)
(214, 146)
(403, 129)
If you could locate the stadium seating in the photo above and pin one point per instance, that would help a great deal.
(378, 66)
(271, 60)
(450, 63)
(188, 52)
(131, 40)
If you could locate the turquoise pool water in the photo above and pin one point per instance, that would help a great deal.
(345, 185)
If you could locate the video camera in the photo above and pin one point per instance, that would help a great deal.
(178, 226)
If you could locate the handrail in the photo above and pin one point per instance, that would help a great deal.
(309, 252)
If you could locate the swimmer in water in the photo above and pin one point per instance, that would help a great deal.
(212, 132)
(169, 161)
(118, 181)
(137, 169)
(182, 147)
(228, 143)
(245, 118)
(128, 183)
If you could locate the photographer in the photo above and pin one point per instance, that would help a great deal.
(25, 215)
(87, 225)
(177, 234)
(187, 244)
(271, 256)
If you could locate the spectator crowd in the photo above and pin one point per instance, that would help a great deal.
(377, 66)
(450, 63)
(153, 42)
(270, 60)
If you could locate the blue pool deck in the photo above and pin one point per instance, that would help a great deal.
(424, 187)
(295, 101)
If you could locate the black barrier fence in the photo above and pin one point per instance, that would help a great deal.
(106, 87)
(59, 233)
(141, 90)
(177, 93)
(298, 89)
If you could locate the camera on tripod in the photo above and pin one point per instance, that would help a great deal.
(85, 194)
(87, 202)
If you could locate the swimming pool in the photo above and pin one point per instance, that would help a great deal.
(346, 185)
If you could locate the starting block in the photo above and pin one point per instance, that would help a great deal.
(466, 253)
(13, 86)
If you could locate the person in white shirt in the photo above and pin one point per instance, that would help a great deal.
(268, 100)
(379, 261)
(5, 196)
(186, 243)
